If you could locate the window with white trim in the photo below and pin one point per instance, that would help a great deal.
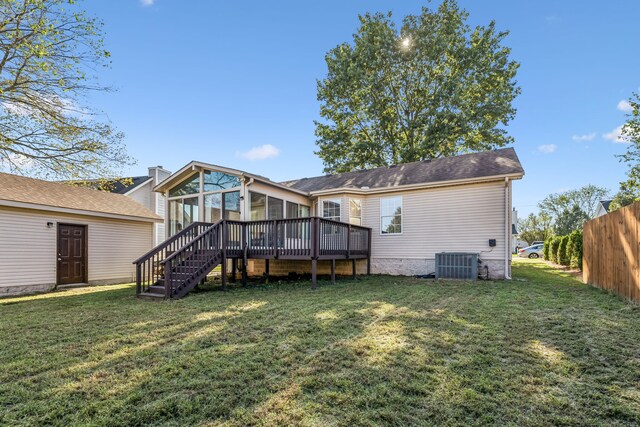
(331, 209)
(391, 215)
(355, 211)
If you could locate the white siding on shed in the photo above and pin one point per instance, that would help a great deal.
(28, 249)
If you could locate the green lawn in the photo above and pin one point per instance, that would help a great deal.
(541, 349)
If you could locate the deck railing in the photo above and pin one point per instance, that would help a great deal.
(309, 238)
(148, 267)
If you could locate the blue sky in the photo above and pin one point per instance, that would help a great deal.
(212, 81)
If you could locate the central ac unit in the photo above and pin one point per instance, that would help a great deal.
(457, 265)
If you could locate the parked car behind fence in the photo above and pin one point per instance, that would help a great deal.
(533, 251)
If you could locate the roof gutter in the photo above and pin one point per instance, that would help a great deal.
(414, 186)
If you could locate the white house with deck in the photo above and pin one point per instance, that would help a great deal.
(405, 215)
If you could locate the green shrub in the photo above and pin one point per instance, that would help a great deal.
(562, 251)
(568, 251)
(546, 249)
(576, 250)
(553, 250)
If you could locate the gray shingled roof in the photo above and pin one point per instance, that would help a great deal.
(16, 188)
(115, 186)
(466, 166)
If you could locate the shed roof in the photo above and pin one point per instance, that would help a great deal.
(20, 189)
(466, 166)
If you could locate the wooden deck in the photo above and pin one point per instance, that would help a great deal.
(174, 267)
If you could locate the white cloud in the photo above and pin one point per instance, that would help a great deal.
(624, 106)
(147, 2)
(585, 137)
(616, 136)
(266, 151)
(547, 148)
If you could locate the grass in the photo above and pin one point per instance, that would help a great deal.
(542, 349)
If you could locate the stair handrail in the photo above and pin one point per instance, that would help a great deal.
(170, 240)
(190, 243)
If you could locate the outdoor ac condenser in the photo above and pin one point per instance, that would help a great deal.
(457, 265)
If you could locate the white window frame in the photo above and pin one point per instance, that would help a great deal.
(359, 203)
(337, 201)
(401, 216)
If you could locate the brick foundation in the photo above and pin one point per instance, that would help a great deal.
(391, 266)
(284, 267)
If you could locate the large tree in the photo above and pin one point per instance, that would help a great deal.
(434, 87)
(535, 227)
(630, 189)
(570, 209)
(50, 51)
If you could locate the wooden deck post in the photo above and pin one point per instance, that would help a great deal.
(333, 270)
(314, 273)
(223, 273)
(234, 268)
(245, 250)
(138, 279)
(369, 252)
(353, 268)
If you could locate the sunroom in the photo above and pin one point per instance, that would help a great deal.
(208, 193)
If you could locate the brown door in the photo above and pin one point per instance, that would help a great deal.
(72, 254)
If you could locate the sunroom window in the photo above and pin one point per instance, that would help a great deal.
(304, 211)
(232, 205)
(275, 208)
(258, 206)
(216, 181)
(212, 207)
(355, 211)
(190, 185)
(182, 212)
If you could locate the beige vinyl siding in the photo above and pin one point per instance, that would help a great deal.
(160, 210)
(142, 195)
(28, 249)
(458, 218)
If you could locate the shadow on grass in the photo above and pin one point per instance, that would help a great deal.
(385, 350)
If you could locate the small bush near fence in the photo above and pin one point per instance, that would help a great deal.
(553, 249)
(574, 249)
(546, 248)
(564, 250)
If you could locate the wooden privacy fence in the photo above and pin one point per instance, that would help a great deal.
(611, 248)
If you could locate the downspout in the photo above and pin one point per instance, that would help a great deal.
(507, 235)
(247, 200)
